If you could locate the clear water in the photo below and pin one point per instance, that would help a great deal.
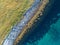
(47, 32)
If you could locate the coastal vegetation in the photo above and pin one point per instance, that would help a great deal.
(11, 12)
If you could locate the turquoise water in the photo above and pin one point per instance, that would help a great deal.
(48, 31)
(52, 37)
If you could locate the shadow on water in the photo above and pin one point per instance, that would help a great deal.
(40, 29)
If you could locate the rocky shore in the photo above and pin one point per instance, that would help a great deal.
(40, 14)
(17, 29)
(21, 30)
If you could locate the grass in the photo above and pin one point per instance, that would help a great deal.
(11, 12)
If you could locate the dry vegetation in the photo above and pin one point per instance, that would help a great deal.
(10, 13)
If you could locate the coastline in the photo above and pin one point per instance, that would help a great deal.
(30, 23)
(17, 28)
(42, 14)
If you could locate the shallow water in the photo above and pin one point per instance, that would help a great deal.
(48, 31)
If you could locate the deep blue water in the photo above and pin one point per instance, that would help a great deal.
(48, 31)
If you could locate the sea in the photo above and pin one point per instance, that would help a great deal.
(48, 31)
